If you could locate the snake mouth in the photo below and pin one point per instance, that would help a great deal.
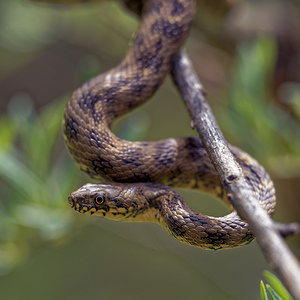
(79, 204)
(83, 208)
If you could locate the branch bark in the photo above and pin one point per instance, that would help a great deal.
(243, 199)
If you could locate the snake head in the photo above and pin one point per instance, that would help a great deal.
(115, 201)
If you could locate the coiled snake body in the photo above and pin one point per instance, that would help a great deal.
(139, 171)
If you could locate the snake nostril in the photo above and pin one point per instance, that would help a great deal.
(82, 200)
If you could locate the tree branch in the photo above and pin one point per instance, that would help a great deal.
(268, 233)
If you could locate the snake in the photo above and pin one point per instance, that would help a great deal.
(136, 178)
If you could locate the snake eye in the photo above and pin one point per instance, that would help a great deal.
(99, 199)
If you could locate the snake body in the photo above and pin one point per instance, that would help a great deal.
(138, 172)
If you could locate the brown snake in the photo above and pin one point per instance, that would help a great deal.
(138, 170)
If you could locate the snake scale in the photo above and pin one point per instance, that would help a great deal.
(138, 174)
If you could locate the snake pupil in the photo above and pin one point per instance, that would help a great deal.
(99, 199)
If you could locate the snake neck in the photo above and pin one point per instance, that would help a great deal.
(189, 227)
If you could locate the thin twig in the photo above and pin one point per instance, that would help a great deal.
(243, 199)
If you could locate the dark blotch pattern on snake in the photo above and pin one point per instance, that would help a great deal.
(140, 170)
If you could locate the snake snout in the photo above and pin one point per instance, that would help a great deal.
(77, 201)
(71, 201)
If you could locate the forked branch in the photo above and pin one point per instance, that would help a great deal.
(268, 233)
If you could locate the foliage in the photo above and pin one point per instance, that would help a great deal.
(272, 134)
(36, 179)
(37, 175)
(275, 289)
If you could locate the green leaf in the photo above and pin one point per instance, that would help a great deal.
(251, 108)
(63, 178)
(263, 292)
(7, 133)
(51, 223)
(42, 135)
(19, 176)
(277, 286)
(272, 293)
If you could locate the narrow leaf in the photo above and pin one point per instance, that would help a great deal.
(263, 292)
(277, 286)
(272, 293)
(20, 178)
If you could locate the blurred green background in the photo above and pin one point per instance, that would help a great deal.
(247, 54)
